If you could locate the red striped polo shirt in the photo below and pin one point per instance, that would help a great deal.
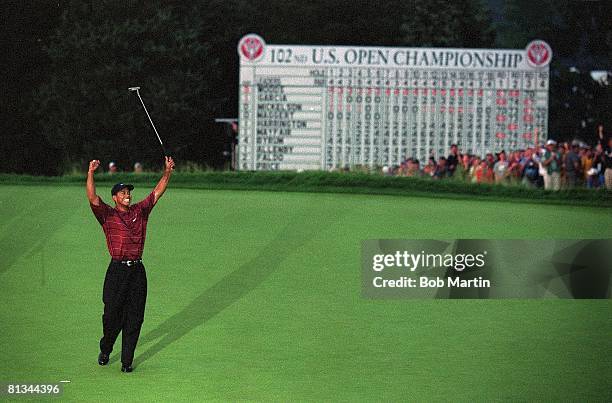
(125, 232)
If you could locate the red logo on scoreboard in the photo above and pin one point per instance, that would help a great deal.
(251, 47)
(539, 53)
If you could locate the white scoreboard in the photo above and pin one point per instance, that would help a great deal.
(327, 107)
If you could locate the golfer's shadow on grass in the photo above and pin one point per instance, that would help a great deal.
(234, 286)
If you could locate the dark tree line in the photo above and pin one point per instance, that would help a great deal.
(69, 64)
(580, 35)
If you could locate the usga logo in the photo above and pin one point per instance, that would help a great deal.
(251, 47)
(539, 53)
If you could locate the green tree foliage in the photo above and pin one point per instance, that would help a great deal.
(580, 35)
(578, 31)
(577, 105)
(26, 26)
(98, 51)
(441, 23)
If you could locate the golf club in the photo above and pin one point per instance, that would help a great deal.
(137, 89)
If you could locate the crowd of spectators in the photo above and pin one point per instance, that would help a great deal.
(550, 166)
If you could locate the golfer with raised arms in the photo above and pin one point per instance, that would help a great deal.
(125, 285)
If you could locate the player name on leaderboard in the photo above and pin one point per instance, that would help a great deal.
(330, 107)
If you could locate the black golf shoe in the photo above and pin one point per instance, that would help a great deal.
(102, 358)
(126, 368)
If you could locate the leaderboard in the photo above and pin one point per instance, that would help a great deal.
(341, 107)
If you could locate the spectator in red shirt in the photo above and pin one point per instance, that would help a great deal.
(125, 285)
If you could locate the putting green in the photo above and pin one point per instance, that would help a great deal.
(256, 295)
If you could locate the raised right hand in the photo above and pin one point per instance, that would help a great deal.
(93, 165)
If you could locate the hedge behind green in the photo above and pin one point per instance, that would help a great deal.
(331, 182)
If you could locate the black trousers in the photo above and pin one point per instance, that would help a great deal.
(124, 297)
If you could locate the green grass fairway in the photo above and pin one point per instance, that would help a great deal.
(257, 295)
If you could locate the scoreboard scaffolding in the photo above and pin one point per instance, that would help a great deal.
(336, 107)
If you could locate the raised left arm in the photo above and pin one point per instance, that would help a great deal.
(163, 182)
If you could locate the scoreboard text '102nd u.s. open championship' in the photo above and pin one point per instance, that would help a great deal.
(336, 107)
